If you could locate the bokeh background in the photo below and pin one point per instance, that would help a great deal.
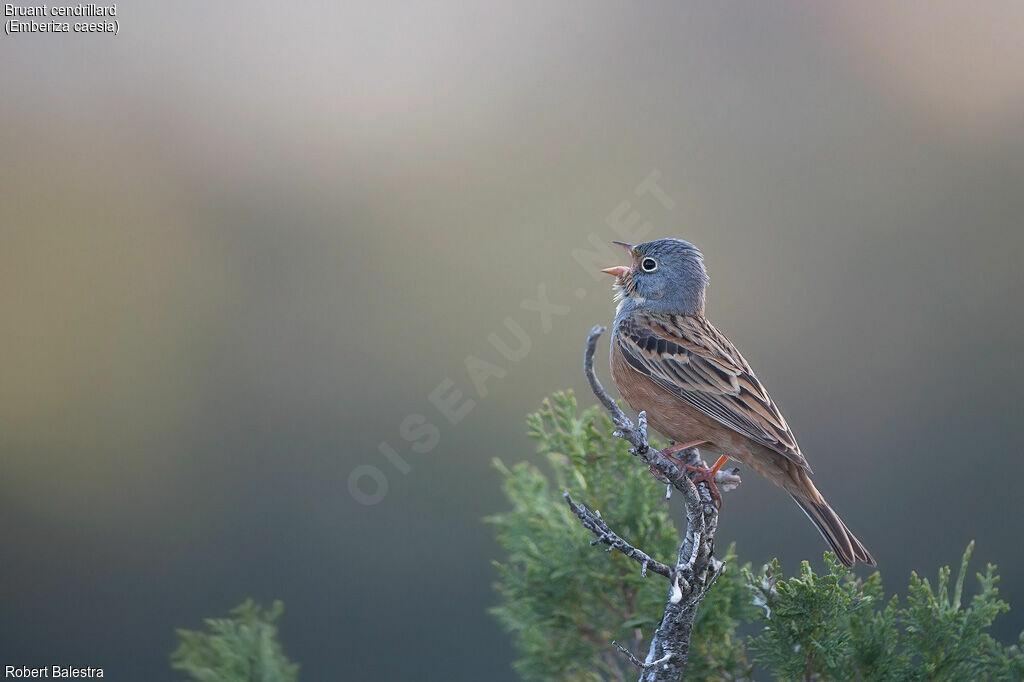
(241, 242)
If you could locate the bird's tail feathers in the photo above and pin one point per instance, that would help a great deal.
(846, 546)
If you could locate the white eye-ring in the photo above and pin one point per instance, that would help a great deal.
(648, 265)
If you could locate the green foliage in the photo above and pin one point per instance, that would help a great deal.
(565, 601)
(836, 627)
(1010, 666)
(243, 648)
(948, 639)
(809, 623)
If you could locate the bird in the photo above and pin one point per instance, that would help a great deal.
(670, 361)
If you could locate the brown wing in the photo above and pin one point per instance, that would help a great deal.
(687, 356)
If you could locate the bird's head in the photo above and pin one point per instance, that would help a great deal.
(666, 276)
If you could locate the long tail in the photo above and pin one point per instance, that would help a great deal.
(792, 477)
(846, 546)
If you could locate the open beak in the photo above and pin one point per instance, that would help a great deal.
(620, 270)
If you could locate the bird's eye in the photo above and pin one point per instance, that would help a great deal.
(648, 265)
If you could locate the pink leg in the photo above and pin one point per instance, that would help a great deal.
(679, 447)
(708, 476)
(670, 452)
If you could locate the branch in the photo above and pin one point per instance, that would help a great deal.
(593, 522)
(695, 569)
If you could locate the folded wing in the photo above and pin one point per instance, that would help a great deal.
(687, 356)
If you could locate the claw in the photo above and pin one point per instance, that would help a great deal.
(708, 476)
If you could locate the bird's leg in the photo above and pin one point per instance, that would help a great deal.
(708, 476)
(672, 450)
(679, 447)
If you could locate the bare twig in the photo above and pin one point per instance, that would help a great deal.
(628, 654)
(695, 568)
(593, 522)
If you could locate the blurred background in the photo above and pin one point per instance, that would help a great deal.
(242, 245)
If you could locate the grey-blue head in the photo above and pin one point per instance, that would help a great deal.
(667, 276)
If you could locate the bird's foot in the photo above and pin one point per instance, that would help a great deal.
(670, 453)
(707, 475)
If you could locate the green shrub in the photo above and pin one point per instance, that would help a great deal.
(243, 648)
(564, 601)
